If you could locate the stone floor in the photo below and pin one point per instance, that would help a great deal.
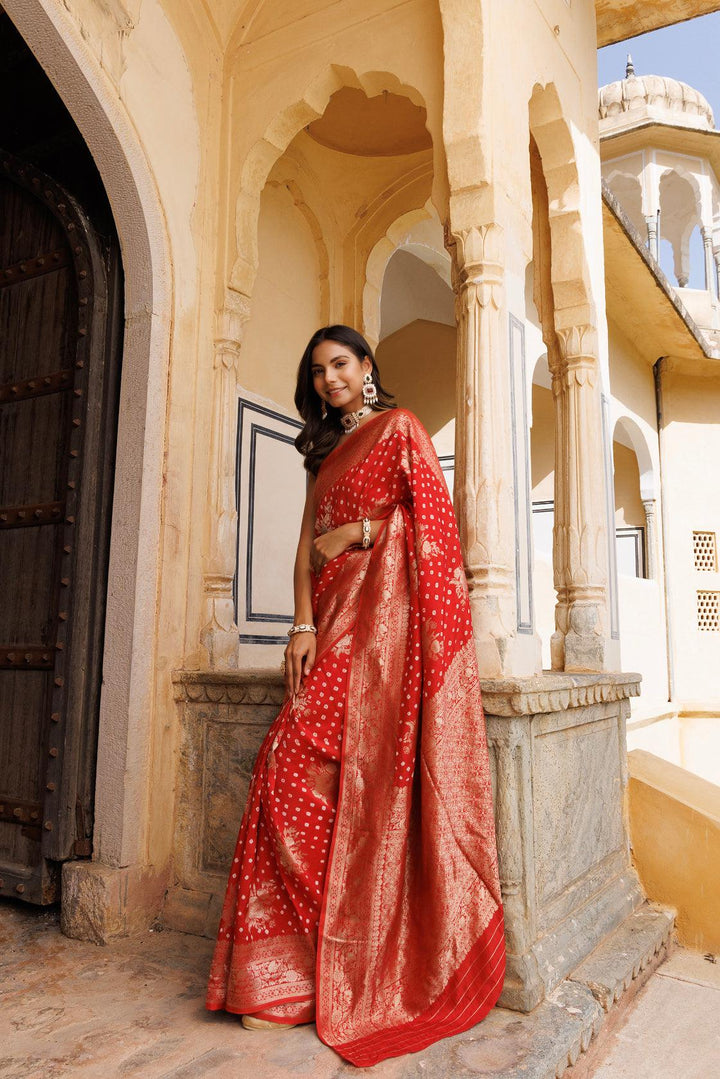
(135, 1009)
(672, 1029)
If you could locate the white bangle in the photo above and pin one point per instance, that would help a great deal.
(302, 628)
(366, 532)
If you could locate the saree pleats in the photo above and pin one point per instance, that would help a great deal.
(367, 890)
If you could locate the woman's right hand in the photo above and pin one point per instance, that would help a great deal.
(299, 660)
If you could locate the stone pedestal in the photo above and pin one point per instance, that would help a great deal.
(558, 755)
(557, 751)
(224, 716)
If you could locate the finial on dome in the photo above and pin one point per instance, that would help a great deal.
(629, 67)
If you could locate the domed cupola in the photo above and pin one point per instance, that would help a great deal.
(639, 99)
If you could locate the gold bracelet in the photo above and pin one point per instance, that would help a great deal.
(365, 532)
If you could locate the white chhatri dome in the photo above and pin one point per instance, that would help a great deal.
(639, 98)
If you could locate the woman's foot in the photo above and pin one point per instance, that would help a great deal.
(251, 1023)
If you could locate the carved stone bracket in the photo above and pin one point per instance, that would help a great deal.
(219, 635)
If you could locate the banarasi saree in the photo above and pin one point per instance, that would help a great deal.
(364, 889)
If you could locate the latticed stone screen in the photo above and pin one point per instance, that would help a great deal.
(705, 551)
(708, 611)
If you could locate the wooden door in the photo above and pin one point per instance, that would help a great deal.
(57, 422)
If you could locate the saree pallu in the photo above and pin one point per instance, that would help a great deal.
(364, 891)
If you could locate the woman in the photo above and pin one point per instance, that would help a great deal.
(364, 890)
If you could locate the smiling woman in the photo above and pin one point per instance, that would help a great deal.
(364, 891)
(329, 390)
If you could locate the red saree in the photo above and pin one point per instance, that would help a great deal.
(364, 891)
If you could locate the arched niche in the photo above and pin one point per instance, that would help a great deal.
(680, 217)
(634, 489)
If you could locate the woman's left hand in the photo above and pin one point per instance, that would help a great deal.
(329, 545)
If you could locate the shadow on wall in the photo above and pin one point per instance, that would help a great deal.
(417, 364)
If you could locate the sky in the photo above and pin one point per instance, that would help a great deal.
(688, 51)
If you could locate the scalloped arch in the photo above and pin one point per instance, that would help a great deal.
(279, 134)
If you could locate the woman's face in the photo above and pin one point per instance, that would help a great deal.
(337, 375)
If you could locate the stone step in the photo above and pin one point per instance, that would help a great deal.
(546, 1042)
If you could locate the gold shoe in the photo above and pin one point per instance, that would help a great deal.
(251, 1023)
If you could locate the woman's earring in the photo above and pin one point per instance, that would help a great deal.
(323, 410)
(369, 389)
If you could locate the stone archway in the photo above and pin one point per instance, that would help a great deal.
(93, 891)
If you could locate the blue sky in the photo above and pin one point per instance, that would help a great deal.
(689, 51)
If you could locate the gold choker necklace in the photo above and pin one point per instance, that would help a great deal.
(351, 420)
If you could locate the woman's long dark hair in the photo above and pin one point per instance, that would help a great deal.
(319, 436)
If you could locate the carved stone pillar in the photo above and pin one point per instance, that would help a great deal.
(579, 535)
(219, 635)
(652, 236)
(716, 256)
(650, 538)
(709, 260)
(483, 451)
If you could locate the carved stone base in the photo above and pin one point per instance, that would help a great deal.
(558, 756)
(224, 716)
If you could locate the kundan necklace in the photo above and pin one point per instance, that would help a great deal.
(351, 420)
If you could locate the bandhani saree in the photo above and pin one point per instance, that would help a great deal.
(364, 889)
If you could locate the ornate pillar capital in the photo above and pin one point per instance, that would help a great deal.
(478, 253)
(230, 322)
(578, 344)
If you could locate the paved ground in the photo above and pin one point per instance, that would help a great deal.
(672, 1029)
(135, 1009)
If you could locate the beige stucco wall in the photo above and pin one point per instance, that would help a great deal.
(286, 307)
(542, 447)
(675, 837)
(692, 493)
(641, 601)
(417, 363)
